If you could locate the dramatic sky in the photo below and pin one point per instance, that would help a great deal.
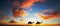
(47, 11)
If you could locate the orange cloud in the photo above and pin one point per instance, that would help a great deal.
(19, 13)
(48, 14)
(22, 13)
(26, 3)
(23, 5)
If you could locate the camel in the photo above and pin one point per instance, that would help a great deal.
(30, 22)
(38, 22)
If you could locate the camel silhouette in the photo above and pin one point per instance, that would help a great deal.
(38, 22)
(30, 22)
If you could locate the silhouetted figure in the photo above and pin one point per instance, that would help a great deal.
(38, 22)
(12, 21)
(30, 22)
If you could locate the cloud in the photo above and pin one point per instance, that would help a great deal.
(23, 5)
(26, 3)
(19, 13)
(48, 14)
